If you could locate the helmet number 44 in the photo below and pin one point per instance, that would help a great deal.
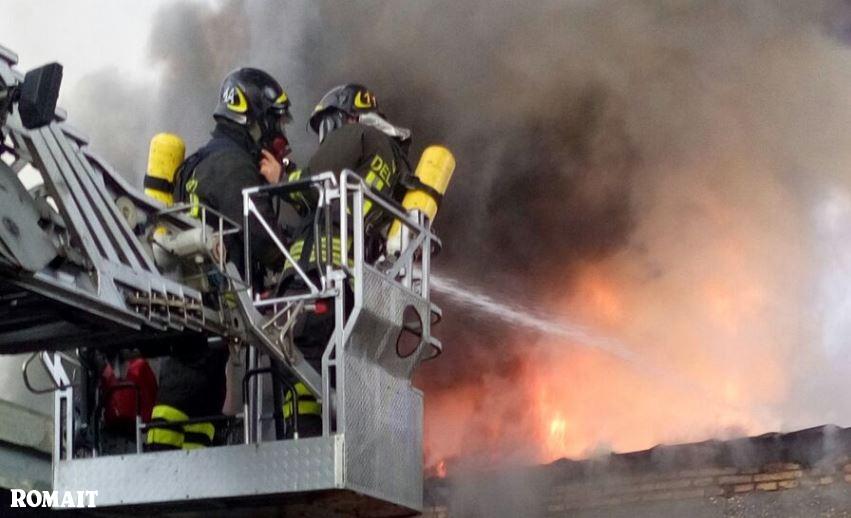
(235, 99)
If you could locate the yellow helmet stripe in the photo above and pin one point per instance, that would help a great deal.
(364, 100)
(241, 105)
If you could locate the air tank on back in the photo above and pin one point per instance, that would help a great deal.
(434, 171)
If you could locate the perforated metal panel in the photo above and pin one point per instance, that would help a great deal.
(380, 323)
(383, 451)
(383, 412)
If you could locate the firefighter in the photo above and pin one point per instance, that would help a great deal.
(353, 134)
(251, 115)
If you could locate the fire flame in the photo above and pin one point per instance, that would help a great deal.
(440, 470)
(709, 360)
(556, 441)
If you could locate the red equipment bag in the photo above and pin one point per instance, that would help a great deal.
(119, 395)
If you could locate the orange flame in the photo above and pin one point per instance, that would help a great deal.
(440, 470)
(556, 441)
(710, 355)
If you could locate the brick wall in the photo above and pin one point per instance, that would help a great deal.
(808, 474)
(688, 484)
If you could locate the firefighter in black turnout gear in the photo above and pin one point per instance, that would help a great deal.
(251, 114)
(353, 134)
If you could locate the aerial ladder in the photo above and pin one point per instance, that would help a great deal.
(86, 273)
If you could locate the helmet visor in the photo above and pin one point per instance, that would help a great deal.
(331, 121)
(282, 113)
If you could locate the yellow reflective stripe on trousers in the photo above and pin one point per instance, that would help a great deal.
(304, 408)
(198, 435)
(177, 438)
(165, 436)
(201, 428)
(300, 389)
(168, 413)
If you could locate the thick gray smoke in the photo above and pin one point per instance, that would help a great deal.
(673, 171)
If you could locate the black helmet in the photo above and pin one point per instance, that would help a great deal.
(350, 99)
(250, 95)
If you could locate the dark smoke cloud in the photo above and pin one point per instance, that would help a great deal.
(521, 167)
(620, 130)
(545, 162)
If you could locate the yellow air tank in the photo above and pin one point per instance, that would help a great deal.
(166, 154)
(434, 170)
